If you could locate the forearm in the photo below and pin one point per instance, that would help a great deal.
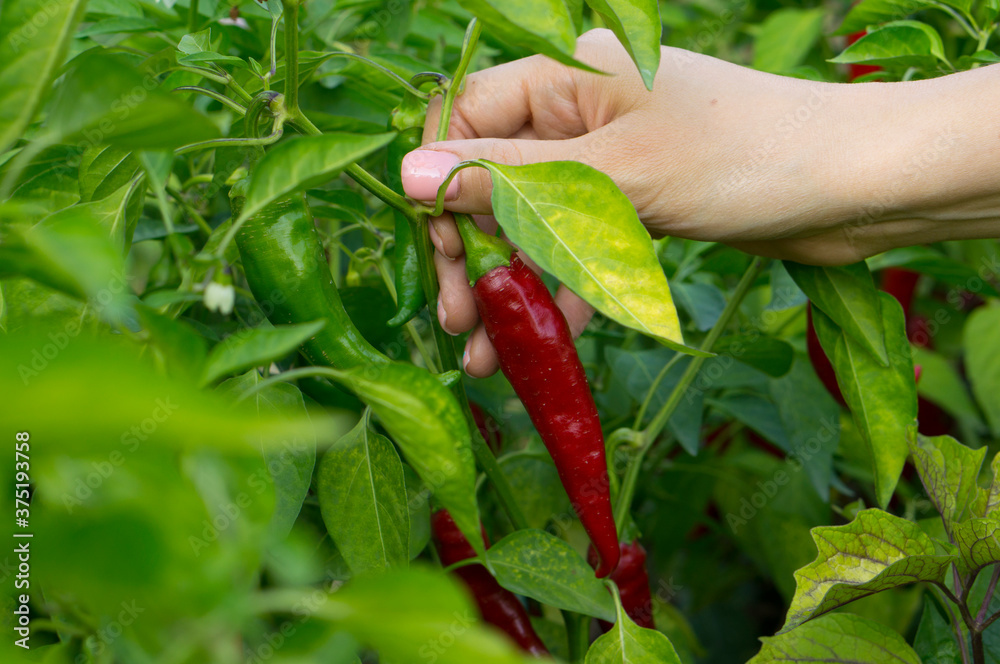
(919, 162)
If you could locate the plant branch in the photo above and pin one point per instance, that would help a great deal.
(458, 80)
(989, 594)
(221, 98)
(651, 432)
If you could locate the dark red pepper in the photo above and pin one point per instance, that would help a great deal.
(537, 355)
(488, 427)
(633, 584)
(498, 606)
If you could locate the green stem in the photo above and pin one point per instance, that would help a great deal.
(402, 82)
(483, 252)
(221, 98)
(651, 392)
(651, 432)
(231, 142)
(195, 217)
(291, 14)
(577, 634)
(193, 16)
(458, 80)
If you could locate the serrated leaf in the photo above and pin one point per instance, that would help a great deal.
(362, 497)
(36, 37)
(848, 296)
(578, 225)
(948, 471)
(896, 44)
(637, 25)
(982, 361)
(255, 347)
(838, 638)
(304, 162)
(883, 400)
(425, 421)
(628, 643)
(875, 552)
(539, 565)
(873, 12)
(786, 37)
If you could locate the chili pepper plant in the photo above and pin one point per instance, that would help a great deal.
(238, 433)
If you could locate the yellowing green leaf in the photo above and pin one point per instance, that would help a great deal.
(839, 638)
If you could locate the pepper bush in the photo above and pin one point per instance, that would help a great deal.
(207, 479)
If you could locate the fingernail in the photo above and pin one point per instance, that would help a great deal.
(443, 318)
(425, 170)
(436, 240)
(465, 359)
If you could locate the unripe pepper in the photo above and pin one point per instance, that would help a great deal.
(633, 584)
(408, 120)
(290, 278)
(497, 606)
(537, 355)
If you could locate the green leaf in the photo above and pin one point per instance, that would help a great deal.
(104, 170)
(362, 496)
(839, 638)
(988, 498)
(36, 37)
(786, 37)
(848, 296)
(935, 640)
(196, 42)
(883, 400)
(767, 354)
(897, 44)
(536, 487)
(254, 347)
(637, 25)
(982, 361)
(418, 615)
(304, 162)
(948, 471)
(811, 419)
(104, 100)
(118, 25)
(638, 369)
(199, 59)
(291, 465)
(540, 26)
(703, 302)
(875, 552)
(70, 252)
(926, 260)
(757, 412)
(418, 506)
(978, 543)
(550, 211)
(873, 12)
(628, 643)
(424, 420)
(941, 383)
(539, 565)
(176, 347)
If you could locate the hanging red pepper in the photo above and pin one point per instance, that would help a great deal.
(498, 606)
(633, 584)
(537, 355)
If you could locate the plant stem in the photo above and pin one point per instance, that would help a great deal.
(661, 418)
(978, 652)
(578, 635)
(193, 16)
(382, 192)
(651, 392)
(458, 80)
(291, 13)
(989, 595)
(221, 98)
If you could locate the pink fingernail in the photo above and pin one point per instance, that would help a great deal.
(465, 360)
(425, 170)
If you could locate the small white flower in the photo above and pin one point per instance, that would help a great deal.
(220, 297)
(239, 22)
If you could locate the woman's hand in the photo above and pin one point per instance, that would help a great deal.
(818, 173)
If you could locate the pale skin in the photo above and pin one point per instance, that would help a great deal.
(820, 173)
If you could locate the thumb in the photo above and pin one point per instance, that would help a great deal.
(424, 170)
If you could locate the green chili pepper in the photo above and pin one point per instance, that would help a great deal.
(290, 278)
(408, 120)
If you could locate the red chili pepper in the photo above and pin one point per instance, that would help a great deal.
(498, 606)
(537, 355)
(820, 362)
(856, 71)
(633, 584)
(488, 427)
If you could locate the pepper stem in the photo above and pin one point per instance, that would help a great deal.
(483, 252)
